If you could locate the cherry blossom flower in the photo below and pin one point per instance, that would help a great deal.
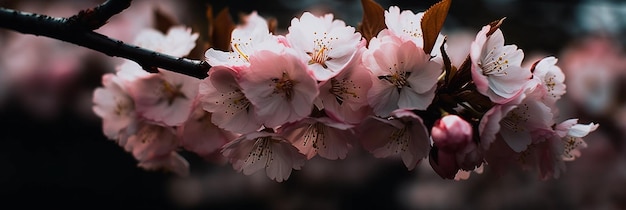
(263, 150)
(344, 97)
(402, 134)
(404, 77)
(551, 79)
(408, 26)
(279, 87)
(245, 40)
(571, 133)
(496, 68)
(542, 156)
(166, 97)
(199, 135)
(329, 44)
(151, 142)
(129, 72)
(114, 105)
(178, 41)
(594, 68)
(547, 151)
(322, 136)
(516, 120)
(221, 95)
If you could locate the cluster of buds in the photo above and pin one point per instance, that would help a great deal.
(272, 101)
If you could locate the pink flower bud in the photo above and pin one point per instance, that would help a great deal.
(451, 133)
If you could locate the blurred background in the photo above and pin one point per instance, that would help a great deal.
(53, 152)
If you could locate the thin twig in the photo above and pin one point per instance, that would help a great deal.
(95, 18)
(68, 30)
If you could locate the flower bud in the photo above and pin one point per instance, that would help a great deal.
(451, 133)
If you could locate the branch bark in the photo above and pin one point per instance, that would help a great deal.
(78, 30)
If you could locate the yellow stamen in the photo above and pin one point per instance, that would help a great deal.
(243, 55)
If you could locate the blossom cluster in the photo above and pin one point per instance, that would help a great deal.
(273, 101)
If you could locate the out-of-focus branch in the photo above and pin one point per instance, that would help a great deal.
(95, 18)
(78, 30)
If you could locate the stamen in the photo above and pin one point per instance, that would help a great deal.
(262, 147)
(319, 57)
(398, 78)
(495, 66)
(243, 55)
(171, 92)
(516, 118)
(122, 107)
(285, 86)
(401, 139)
(341, 89)
(315, 134)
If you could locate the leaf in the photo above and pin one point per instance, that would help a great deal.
(449, 71)
(272, 24)
(432, 22)
(462, 75)
(373, 20)
(494, 26)
(220, 28)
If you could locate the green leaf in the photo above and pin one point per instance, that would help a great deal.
(432, 22)
(373, 19)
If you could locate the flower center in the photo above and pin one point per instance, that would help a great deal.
(315, 134)
(242, 55)
(550, 83)
(235, 100)
(320, 52)
(262, 147)
(397, 78)
(515, 119)
(150, 133)
(399, 139)
(570, 143)
(171, 92)
(123, 106)
(413, 30)
(284, 86)
(493, 65)
(342, 89)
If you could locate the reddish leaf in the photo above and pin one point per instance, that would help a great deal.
(495, 25)
(163, 21)
(432, 22)
(449, 71)
(272, 24)
(373, 20)
(220, 29)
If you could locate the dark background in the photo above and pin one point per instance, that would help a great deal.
(58, 157)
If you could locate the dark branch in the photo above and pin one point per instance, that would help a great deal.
(95, 18)
(63, 29)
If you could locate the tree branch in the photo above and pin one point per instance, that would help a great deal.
(95, 18)
(78, 30)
